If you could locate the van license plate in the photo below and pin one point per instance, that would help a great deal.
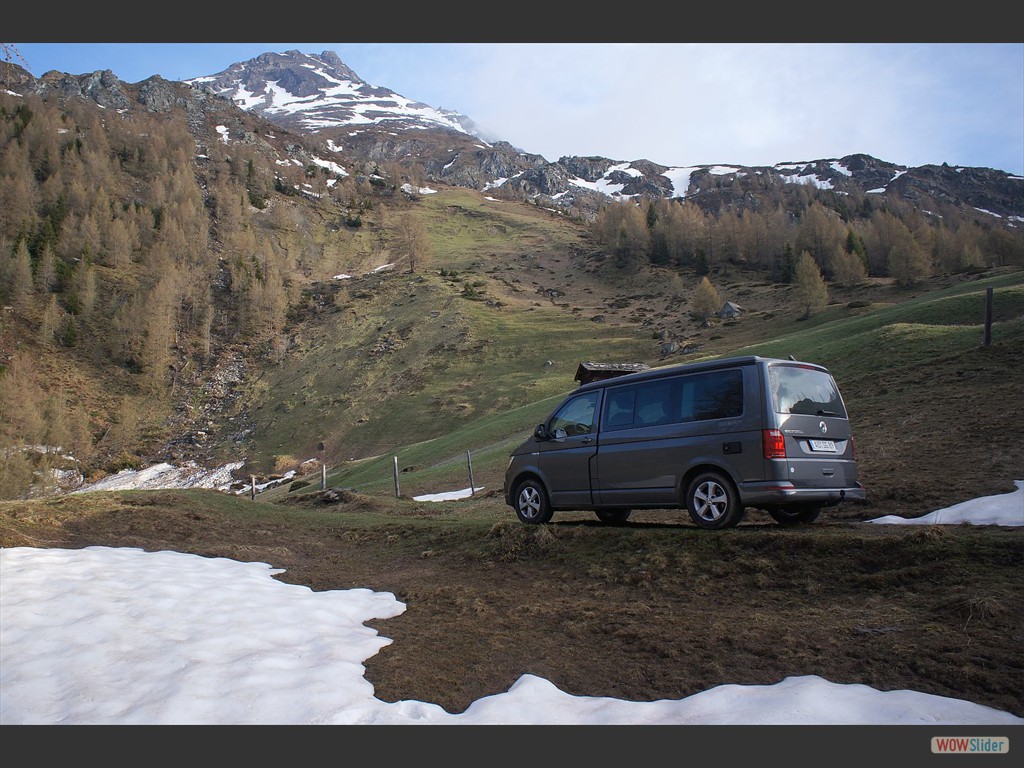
(823, 445)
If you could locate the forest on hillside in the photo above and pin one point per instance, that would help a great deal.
(130, 256)
(849, 237)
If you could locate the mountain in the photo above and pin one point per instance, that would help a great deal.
(184, 279)
(210, 119)
(356, 124)
(321, 96)
(312, 94)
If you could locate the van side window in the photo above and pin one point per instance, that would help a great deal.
(618, 408)
(576, 417)
(712, 395)
(654, 403)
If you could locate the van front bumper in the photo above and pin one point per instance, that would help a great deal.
(776, 492)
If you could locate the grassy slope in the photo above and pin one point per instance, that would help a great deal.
(512, 299)
(396, 357)
(475, 348)
(911, 373)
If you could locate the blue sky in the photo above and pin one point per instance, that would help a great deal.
(678, 104)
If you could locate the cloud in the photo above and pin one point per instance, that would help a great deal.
(752, 104)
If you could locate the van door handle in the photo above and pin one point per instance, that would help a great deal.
(587, 440)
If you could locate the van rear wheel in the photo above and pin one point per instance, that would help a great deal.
(713, 502)
(530, 502)
(796, 514)
(613, 516)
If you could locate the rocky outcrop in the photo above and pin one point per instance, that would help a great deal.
(982, 188)
(102, 86)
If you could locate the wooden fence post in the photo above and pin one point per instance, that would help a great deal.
(397, 491)
(469, 463)
(988, 316)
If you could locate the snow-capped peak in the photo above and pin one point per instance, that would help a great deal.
(313, 92)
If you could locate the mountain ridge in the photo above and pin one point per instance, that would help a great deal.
(308, 92)
(586, 182)
(321, 97)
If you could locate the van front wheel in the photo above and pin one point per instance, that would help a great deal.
(713, 501)
(531, 502)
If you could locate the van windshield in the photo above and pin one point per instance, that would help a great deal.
(796, 389)
(576, 417)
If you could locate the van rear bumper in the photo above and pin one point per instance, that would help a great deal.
(776, 492)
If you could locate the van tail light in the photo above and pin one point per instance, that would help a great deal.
(853, 449)
(774, 444)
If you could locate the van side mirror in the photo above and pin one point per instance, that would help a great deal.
(541, 432)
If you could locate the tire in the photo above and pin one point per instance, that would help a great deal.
(797, 514)
(531, 503)
(713, 502)
(613, 516)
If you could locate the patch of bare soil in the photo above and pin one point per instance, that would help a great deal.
(678, 615)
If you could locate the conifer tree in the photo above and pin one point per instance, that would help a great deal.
(16, 472)
(706, 300)
(69, 334)
(122, 436)
(20, 294)
(82, 293)
(622, 227)
(810, 289)
(18, 191)
(160, 323)
(819, 231)
(45, 274)
(80, 438)
(787, 264)
(412, 242)
(55, 414)
(848, 268)
(52, 321)
(21, 413)
(908, 263)
(632, 239)
(970, 257)
(855, 245)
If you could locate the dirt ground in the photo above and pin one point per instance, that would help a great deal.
(654, 609)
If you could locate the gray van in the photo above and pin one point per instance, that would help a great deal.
(713, 438)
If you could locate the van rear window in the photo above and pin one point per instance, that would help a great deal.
(797, 389)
